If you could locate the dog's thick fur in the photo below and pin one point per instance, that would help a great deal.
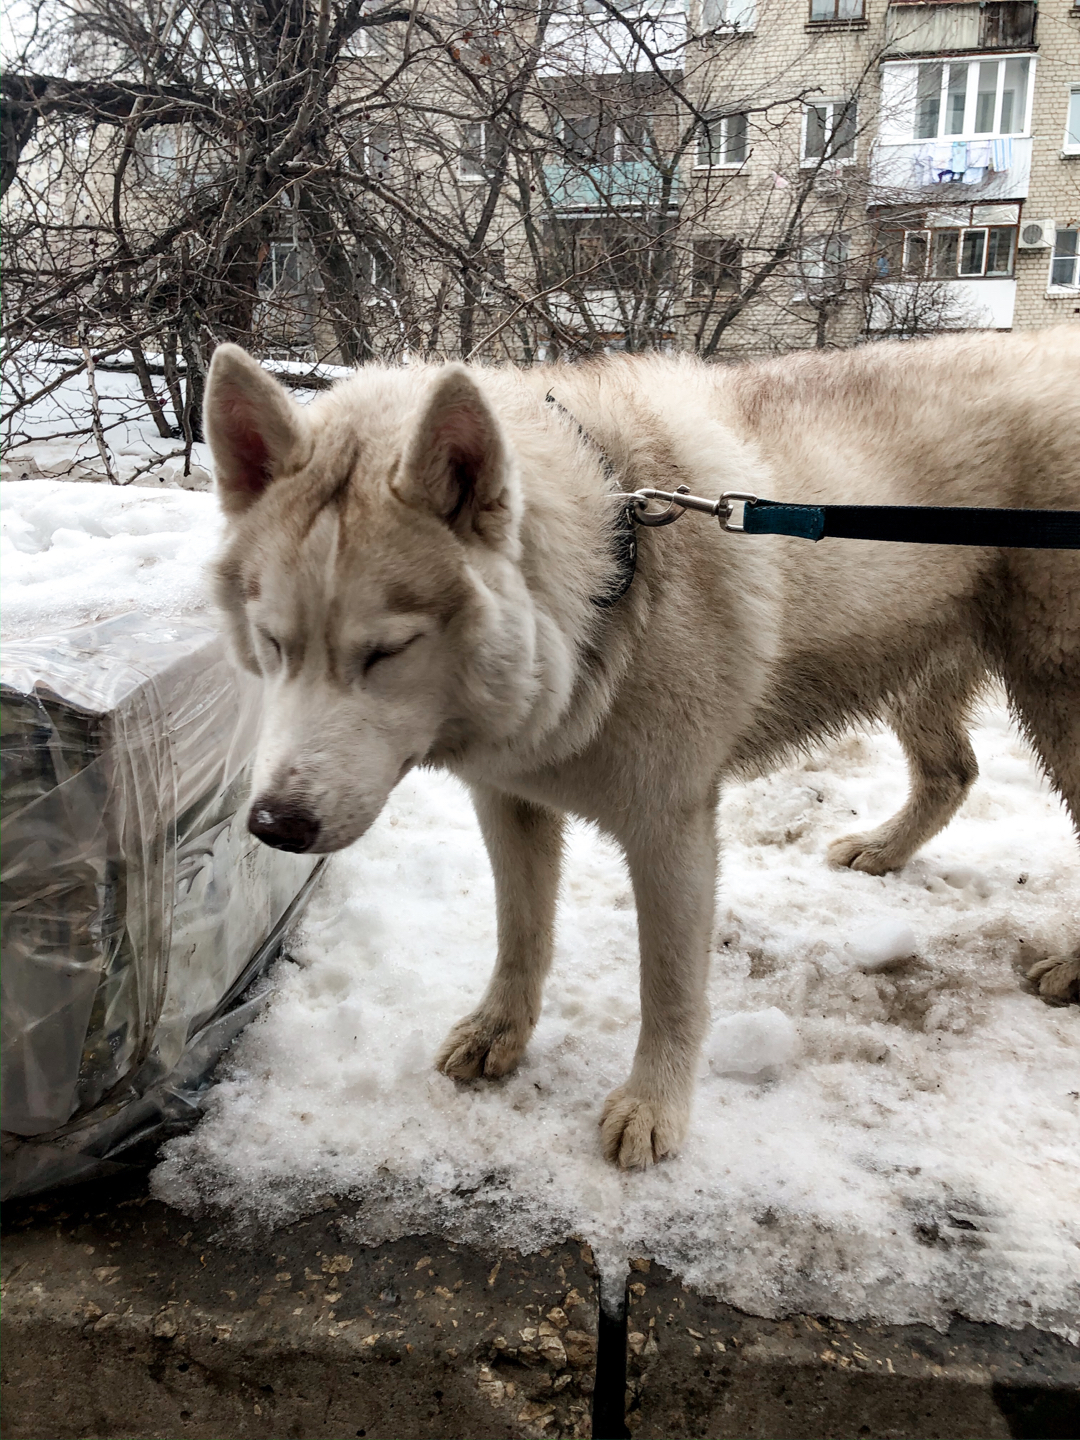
(412, 562)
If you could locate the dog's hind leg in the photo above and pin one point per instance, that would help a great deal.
(1049, 711)
(524, 843)
(672, 862)
(931, 725)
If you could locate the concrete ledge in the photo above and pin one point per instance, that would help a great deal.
(122, 1319)
(697, 1367)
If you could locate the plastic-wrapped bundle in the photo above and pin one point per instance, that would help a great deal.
(136, 907)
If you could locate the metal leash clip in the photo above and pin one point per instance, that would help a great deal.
(680, 500)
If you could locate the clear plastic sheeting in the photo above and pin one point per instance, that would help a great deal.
(135, 904)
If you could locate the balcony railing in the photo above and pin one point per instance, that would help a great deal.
(928, 29)
(626, 185)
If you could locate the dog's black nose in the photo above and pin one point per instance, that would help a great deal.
(286, 827)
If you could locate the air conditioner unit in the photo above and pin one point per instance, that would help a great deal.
(1036, 234)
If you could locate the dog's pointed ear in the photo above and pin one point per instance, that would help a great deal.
(456, 463)
(256, 431)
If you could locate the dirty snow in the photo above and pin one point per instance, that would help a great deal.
(886, 1125)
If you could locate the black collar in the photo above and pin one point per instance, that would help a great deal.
(624, 534)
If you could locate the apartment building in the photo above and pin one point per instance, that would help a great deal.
(748, 176)
(726, 176)
(933, 156)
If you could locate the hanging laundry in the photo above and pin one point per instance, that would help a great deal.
(978, 154)
(922, 164)
(958, 161)
(975, 174)
(1002, 153)
(941, 163)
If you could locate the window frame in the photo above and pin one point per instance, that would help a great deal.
(835, 18)
(742, 24)
(467, 152)
(925, 238)
(377, 151)
(1070, 145)
(971, 92)
(1071, 288)
(830, 106)
(719, 245)
(704, 135)
(274, 279)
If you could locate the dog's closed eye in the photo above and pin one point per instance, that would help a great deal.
(385, 652)
(269, 640)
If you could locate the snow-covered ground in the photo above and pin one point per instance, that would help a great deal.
(887, 1123)
(54, 436)
(71, 554)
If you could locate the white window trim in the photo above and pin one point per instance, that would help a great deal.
(1068, 148)
(929, 232)
(807, 162)
(972, 62)
(730, 165)
(1062, 292)
(477, 176)
(745, 26)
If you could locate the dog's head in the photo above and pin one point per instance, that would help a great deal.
(369, 577)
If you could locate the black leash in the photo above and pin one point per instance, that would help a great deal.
(908, 524)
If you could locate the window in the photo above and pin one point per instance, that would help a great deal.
(374, 267)
(727, 14)
(602, 138)
(157, 149)
(829, 132)
(611, 255)
(722, 141)
(823, 263)
(717, 268)
(370, 38)
(281, 270)
(930, 247)
(836, 10)
(1065, 264)
(473, 151)
(1072, 122)
(946, 99)
(377, 153)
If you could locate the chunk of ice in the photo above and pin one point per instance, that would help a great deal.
(752, 1041)
(882, 945)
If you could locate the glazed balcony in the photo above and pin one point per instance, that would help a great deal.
(922, 28)
(624, 185)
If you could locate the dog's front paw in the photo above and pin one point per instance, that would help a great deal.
(636, 1132)
(482, 1044)
(872, 854)
(1057, 979)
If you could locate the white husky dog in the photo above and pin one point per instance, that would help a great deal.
(423, 564)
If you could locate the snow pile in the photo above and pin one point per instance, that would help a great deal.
(72, 554)
(886, 1123)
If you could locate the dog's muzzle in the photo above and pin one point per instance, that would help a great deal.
(285, 827)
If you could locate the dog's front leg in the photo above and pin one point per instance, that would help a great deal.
(673, 869)
(524, 842)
